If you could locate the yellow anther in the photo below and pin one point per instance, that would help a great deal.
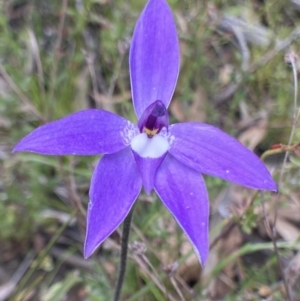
(150, 133)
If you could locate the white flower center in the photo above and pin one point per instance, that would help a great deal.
(146, 147)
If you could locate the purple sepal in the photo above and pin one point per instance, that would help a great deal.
(154, 118)
(89, 132)
(183, 192)
(210, 151)
(115, 185)
(154, 56)
(148, 168)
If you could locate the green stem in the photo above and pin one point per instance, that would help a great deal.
(123, 255)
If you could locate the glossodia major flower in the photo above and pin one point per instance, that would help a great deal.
(167, 158)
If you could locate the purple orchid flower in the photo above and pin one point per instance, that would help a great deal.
(168, 159)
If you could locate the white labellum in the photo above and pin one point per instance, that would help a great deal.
(146, 147)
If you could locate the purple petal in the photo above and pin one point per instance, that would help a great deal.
(89, 132)
(115, 185)
(154, 56)
(148, 168)
(183, 192)
(211, 151)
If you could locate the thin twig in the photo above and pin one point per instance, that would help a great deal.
(272, 234)
(295, 119)
(280, 148)
(123, 256)
(142, 237)
(147, 261)
(175, 285)
(280, 46)
(39, 65)
(6, 289)
(69, 183)
(90, 59)
(269, 55)
(20, 94)
(56, 55)
(41, 256)
(73, 188)
(272, 230)
(115, 76)
(185, 285)
(156, 280)
(296, 113)
(74, 260)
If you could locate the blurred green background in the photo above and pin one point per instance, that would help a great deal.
(239, 64)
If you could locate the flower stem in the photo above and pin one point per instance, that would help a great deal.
(123, 255)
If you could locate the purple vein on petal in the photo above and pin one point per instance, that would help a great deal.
(154, 56)
(115, 185)
(88, 132)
